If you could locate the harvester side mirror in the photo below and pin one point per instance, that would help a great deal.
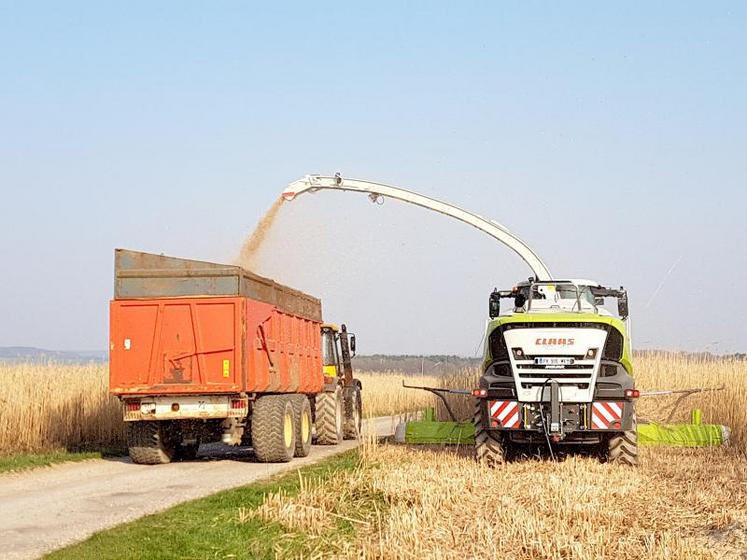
(520, 300)
(495, 305)
(622, 306)
(352, 344)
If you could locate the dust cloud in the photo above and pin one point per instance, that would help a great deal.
(250, 250)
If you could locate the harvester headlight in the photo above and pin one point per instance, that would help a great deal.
(592, 353)
(518, 353)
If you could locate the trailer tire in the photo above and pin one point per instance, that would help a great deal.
(273, 429)
(622, 448)
(353, 412)
(329, 418)
(149, 443)
(302, 417)
(488, 450)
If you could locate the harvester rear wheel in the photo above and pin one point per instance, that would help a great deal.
(622, 448)
(150, 443)
(488, 450)
(302, 412)
(353, 412)
(273, 429)
(329, 417)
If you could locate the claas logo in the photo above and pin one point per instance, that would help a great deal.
(555, 341)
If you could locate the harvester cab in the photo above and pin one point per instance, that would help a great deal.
(557, 370)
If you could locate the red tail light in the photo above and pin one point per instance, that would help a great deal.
(479, 393)
(238, 404)
(133, 406)
(632, 393)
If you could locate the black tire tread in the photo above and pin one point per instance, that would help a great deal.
(351, 426)
(300, 405)
(267, 429)
(623, 448)
(147, 444)
(488, 450)
(326, 422)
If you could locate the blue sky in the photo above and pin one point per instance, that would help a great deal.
(610, 137)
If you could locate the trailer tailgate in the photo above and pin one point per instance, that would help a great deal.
(177, 346)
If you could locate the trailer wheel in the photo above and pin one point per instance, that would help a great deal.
(273, 429)
(302, 417)
(353, 412)
(488, 450)
(150, 443)
(329, 417)
(622, 447)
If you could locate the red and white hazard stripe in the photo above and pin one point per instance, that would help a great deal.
(506, 413)
(606, 415)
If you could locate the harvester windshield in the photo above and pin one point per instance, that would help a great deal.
(561, 296)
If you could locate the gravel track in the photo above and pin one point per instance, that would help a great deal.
(49, 508)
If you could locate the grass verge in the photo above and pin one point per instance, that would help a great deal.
(26, 461)
(219, 526)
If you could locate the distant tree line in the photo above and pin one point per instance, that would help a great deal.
(411, 363)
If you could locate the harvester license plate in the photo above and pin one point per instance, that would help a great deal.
(554, 361)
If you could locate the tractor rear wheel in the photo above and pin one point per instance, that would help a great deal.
(302, 412)
(273, 429)
(187, 452)
(150, 443)
(329, 417)
(353, 412)
(622, 448)
(489, 451)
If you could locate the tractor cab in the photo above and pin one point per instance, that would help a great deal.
(338, 348)
(341, 415)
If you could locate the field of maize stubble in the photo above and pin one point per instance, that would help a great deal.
(437, 503)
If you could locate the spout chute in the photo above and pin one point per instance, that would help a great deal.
(313, 183)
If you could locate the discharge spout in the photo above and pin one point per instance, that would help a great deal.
(314, 183)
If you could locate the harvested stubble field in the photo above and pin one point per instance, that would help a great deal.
(438, 503)
(407, 503)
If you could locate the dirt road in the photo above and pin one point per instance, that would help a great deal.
(49, 508)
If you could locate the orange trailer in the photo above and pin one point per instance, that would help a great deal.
(201, 351)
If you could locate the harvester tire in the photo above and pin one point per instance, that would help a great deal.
(302, 414)
(488, 450)
(149, 443)
(329, 417)
(623, 448)
(353, 412)
(273, 429)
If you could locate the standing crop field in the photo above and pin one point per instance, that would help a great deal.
(48, 407)
(52, 406)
